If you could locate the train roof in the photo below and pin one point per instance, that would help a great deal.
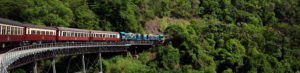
(72, 29)
(37, 26)
(97, 31)
(16, 23)
(10, 22)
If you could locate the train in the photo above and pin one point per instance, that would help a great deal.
(14, 32)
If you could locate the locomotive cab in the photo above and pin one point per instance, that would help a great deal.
(123, 35)
(161, 38)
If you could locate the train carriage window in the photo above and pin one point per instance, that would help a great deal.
(47, 33)
(8, 30)
(69, 34)
(33, 32)
(14, 31)
(17, 31)
(60, 33)
(43, 33)
(73, 34)
(20, 31)
(30, 31)
(4, 30)
(38, 32)
(64, 33)
(0, 29)
(50, 32)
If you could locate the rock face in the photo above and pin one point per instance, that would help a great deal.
(152, 26)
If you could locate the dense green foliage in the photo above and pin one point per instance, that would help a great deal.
(242, 36)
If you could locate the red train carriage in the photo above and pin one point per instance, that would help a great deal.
(104, 36)
(72, 34)
(11, 31)
(40, 33)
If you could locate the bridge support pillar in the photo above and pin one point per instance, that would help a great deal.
(53, 65)
(100, 63)
(35, 67)
(83, 63)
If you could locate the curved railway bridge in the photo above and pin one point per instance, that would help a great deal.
(27, 54)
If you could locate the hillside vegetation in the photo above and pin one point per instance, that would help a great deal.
(205, 36)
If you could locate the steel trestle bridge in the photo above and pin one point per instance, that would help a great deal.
(27, 54)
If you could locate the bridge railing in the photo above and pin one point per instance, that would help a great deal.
(46, 45)
(62, 44)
